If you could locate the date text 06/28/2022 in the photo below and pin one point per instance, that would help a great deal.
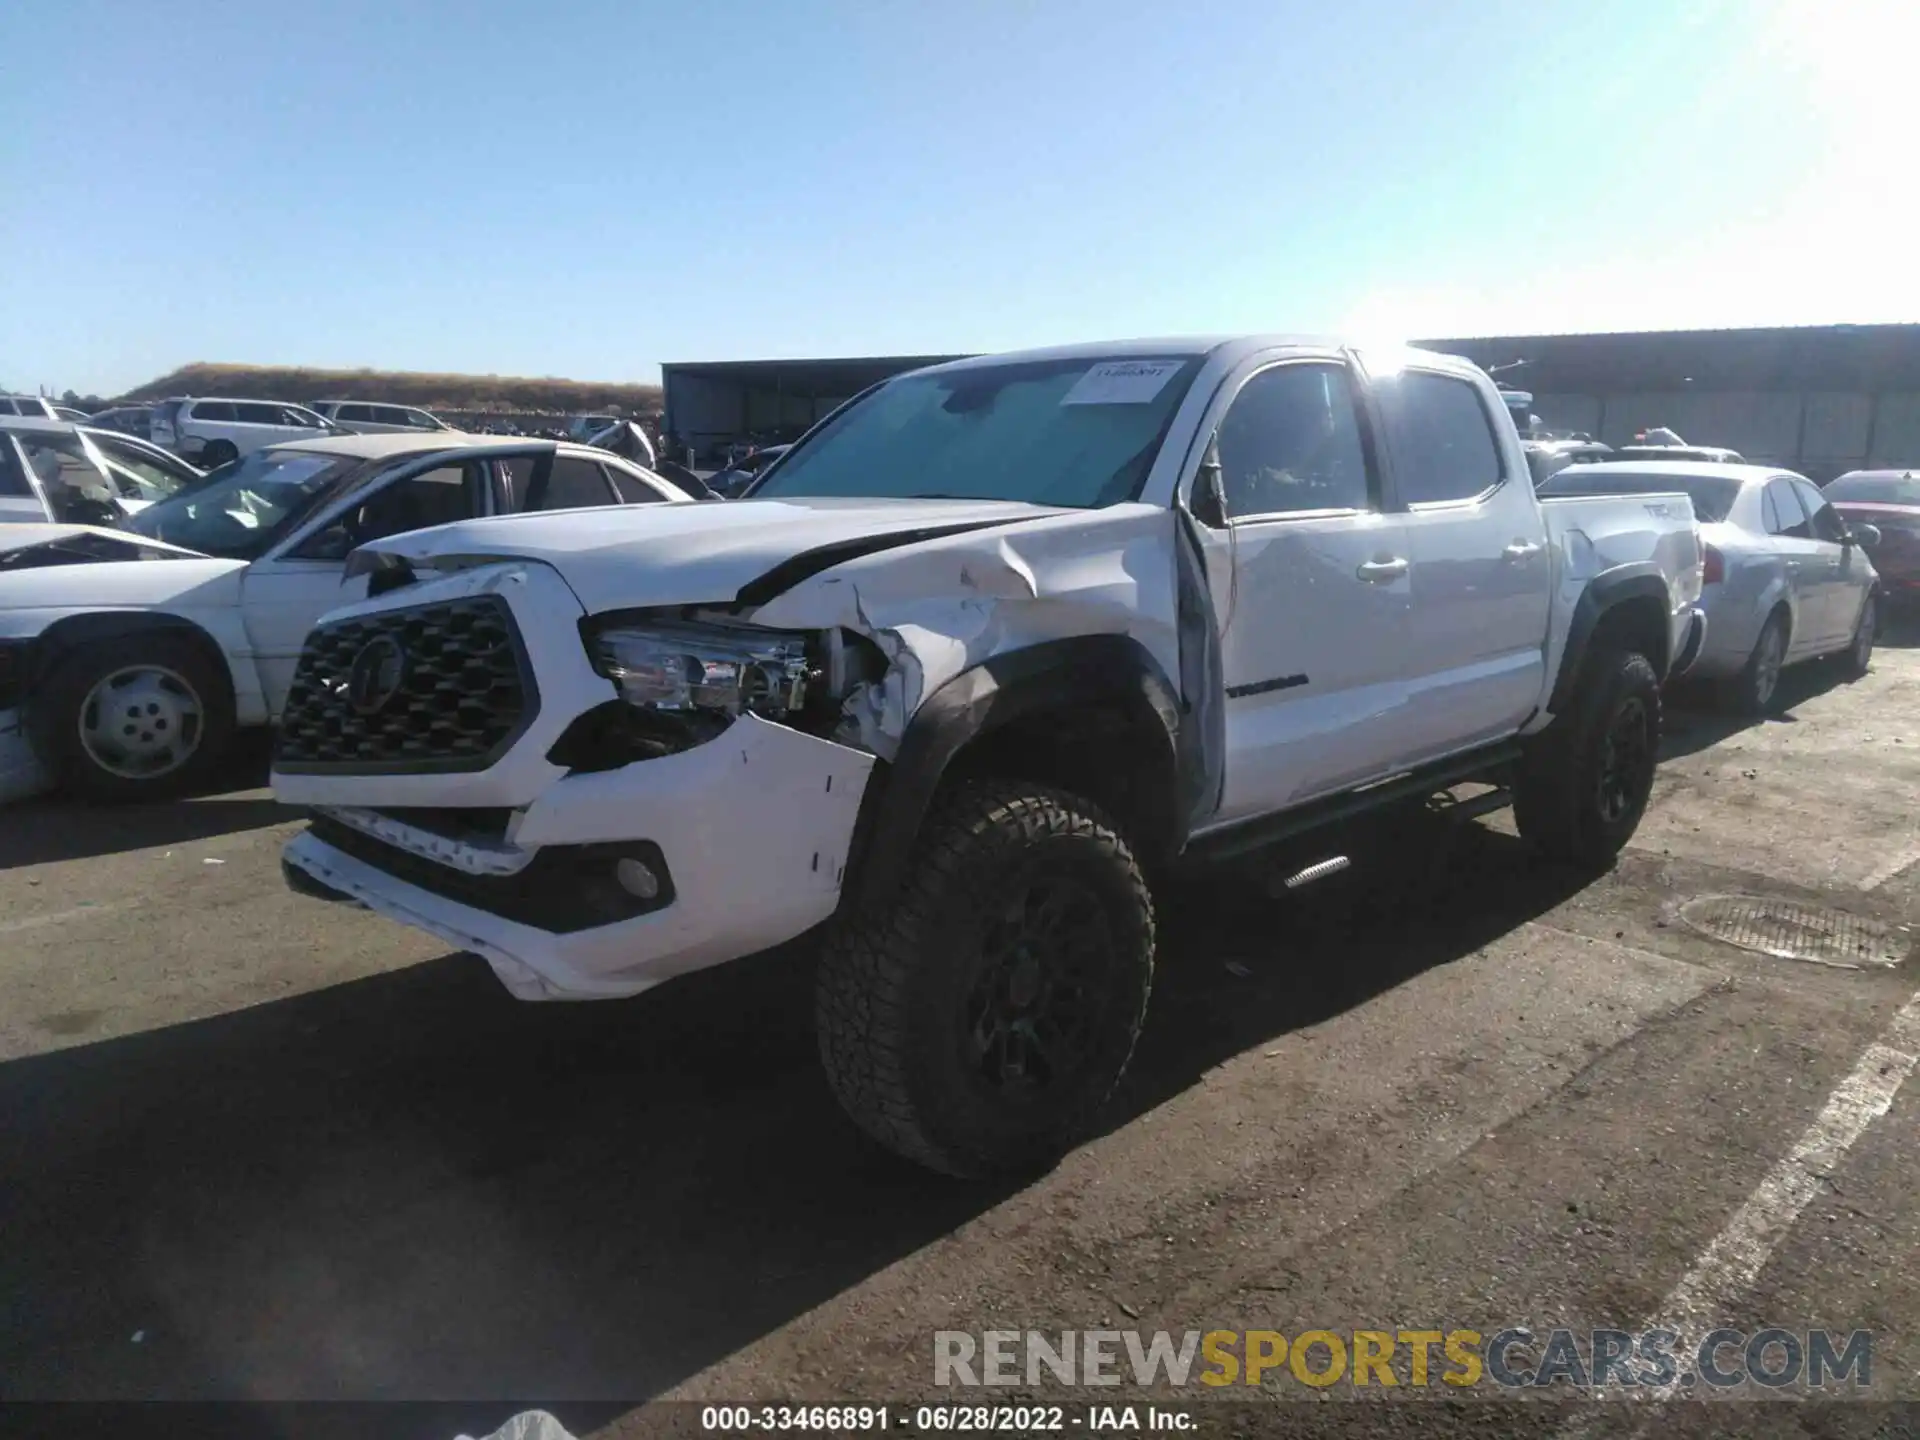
(962, 1418)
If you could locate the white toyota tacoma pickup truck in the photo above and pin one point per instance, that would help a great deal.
(992, 648)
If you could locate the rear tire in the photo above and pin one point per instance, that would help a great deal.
(1585, 780)
(218, 453)
(1754, 690)
(978, 1023)
(1857, 659)
(139, 718)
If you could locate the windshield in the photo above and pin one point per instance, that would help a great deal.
(139, 475)
(243, 507)
(1079, 432)
(1712, 495)
(1876, 489)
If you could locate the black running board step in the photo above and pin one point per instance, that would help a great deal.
(1264, 830)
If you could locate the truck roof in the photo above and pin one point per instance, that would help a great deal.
(1229, 348)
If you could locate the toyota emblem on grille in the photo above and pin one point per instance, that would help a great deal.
(376, 675)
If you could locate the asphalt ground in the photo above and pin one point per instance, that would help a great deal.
(260, 1148)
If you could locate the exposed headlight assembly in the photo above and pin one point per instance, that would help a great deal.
(683, 681)
(719, 670)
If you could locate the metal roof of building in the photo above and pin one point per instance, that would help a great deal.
(842, 375)
(1799, 357)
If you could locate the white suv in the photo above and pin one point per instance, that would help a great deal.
(364, 418)
(211, 432)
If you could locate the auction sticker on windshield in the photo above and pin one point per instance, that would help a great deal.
(1122, 382)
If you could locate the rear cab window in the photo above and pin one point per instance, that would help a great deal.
(1439, 436)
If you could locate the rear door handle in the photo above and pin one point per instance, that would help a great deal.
(1382, 572)
(1521, 550)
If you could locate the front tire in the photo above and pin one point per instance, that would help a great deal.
(141, 718)
(978, 1023)
(1586, 779)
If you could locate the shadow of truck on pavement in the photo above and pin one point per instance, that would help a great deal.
(413, 1186)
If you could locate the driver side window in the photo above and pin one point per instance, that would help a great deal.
(436, 497)
(1291, 442)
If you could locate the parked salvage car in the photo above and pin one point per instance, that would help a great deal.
(584, 427)
(988, 648)
(625, 437)
(366, 418)
(1787, 578)
(37, 406)
(1547, 457)
(134, 420)
(129, 676)
(1707, 454)
(734, 480)
(211, 432)
(75, 474)
(1887, 503)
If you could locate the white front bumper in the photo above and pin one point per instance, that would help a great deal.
(755, 827)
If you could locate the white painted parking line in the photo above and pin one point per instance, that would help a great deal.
(60, 917)
(1729, 1265)
(1901, 861)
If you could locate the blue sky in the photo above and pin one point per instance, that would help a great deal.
(588, 189)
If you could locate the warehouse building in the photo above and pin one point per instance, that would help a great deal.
(711, 404)
(1818, 399)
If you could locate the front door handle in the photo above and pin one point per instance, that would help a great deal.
(1521, 550)
(1382, 572)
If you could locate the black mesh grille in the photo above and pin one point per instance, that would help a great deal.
(459, 694)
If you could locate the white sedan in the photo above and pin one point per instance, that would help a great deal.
(1786, 578)
(130, 655)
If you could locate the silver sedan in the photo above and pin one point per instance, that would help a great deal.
(1785, 580)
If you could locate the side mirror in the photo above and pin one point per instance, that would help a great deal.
(1863, 534)
(1209, 502)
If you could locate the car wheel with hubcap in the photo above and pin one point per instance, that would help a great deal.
(1753, 690)
(133, 719)
(978, 1022)
(1859, 655)
(1585, 780)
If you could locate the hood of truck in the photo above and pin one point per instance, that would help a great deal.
(636, 556)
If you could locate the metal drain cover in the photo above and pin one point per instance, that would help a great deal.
(1792, 931)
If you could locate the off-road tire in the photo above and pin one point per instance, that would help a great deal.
(1748, 693)
(53, 716)
(1857, 659)
(1557, 802)
(897, 983)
